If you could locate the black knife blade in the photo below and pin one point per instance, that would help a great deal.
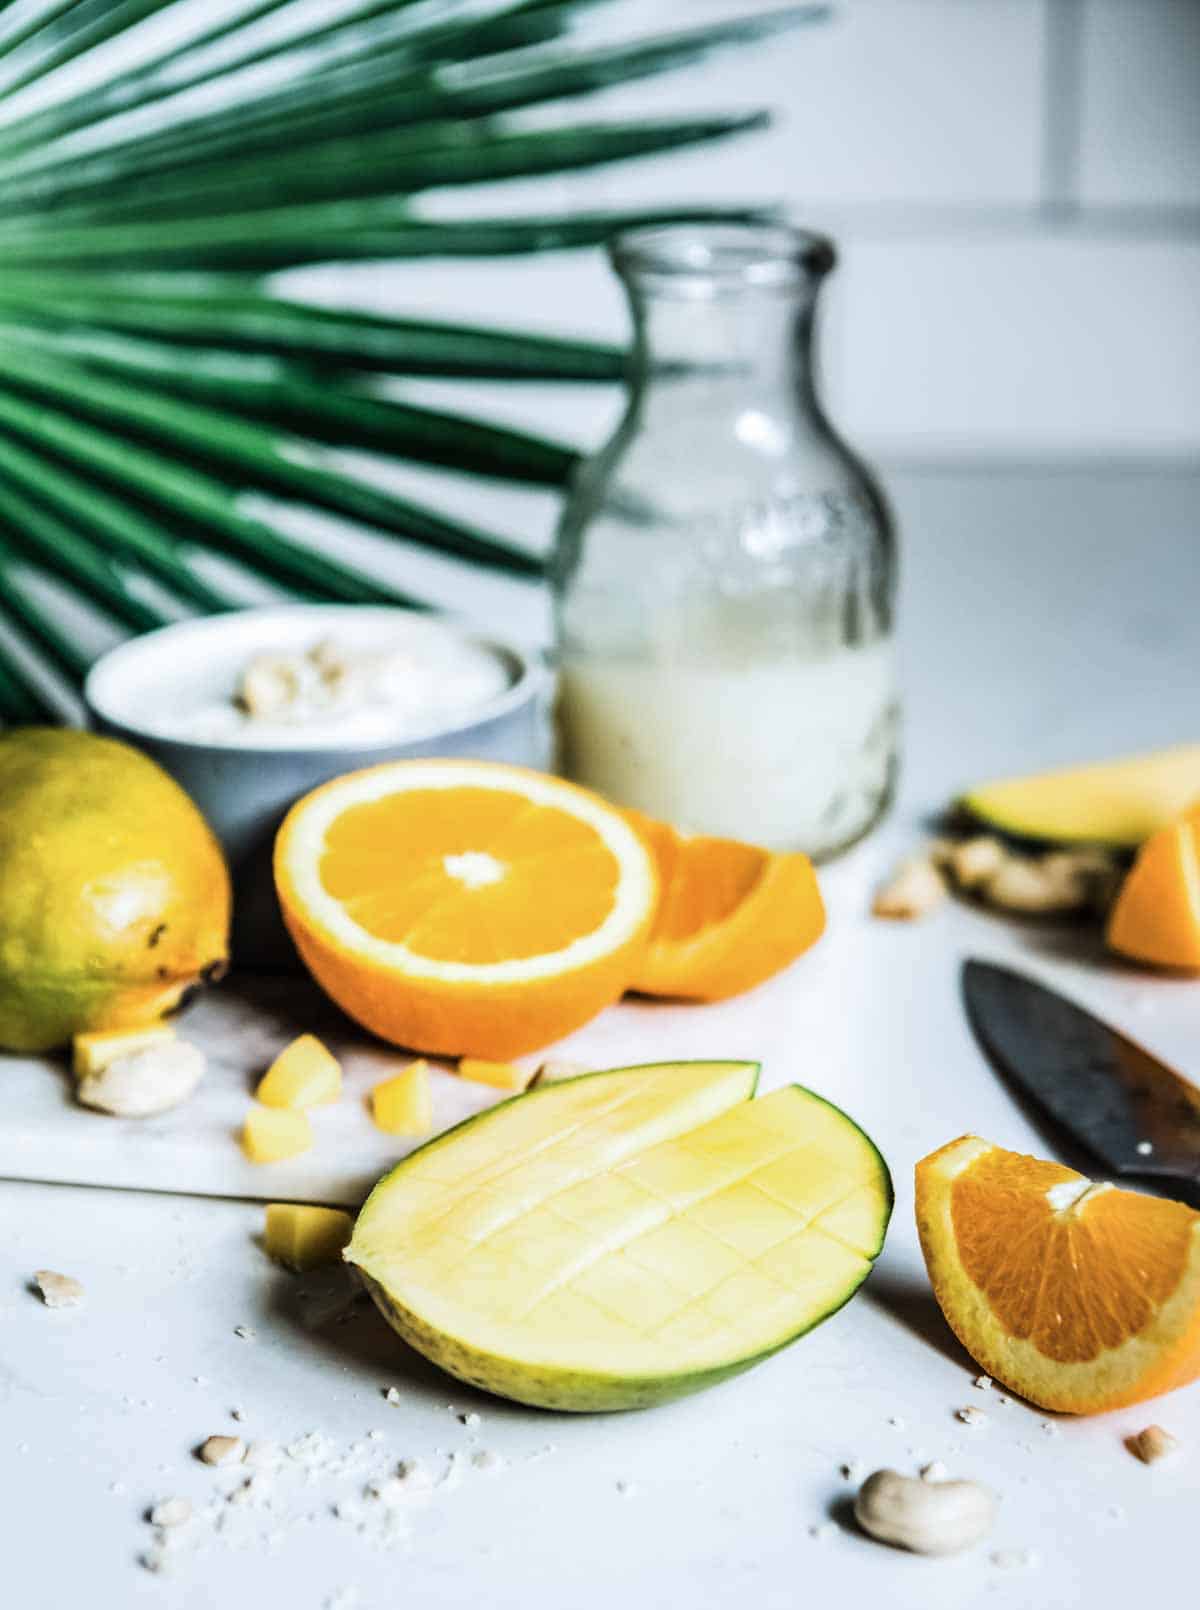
(1127, 1108)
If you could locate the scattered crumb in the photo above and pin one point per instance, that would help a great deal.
(391, 1394)
(58, 1291)
(1014, 1559)
(913, 891)
(470, 1419)
(852, 1470)
(935, 1470)
(627, 1489)
(222, 1450)
(375, 1436)
(263, 1455)
(1001, 1399)
(200, 1380)
(822, 1532)
(485, 1459)
(983, 1383)
(245, 1333)
(154, 1559)
(1050, 1429)
(237, 1414)
(171, 1512)
(975, 1418)
(1152, 1444)
(896, 1423)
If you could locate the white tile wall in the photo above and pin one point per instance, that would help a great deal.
(892, 101)
(1140, 143)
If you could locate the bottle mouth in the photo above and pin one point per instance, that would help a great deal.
(710, 260)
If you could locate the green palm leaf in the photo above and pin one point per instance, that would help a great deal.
(157, 394)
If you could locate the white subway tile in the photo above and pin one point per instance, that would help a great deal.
(924, 101)
(1025, 346)
(1141, 103)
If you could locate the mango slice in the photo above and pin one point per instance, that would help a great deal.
(302, 1237)
(1156, 918)
(272, 1133)
(1118, 804)
(92, 1053)
(304, 1074)
(500, 1075)
(403, 1106)
(623, 1238)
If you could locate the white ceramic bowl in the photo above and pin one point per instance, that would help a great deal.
(142, 691)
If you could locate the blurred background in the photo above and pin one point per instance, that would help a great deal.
(1013, 185)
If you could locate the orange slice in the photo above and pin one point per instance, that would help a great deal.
(463, 908)
(1078, 1296)
(1157, 914)
(730, 915)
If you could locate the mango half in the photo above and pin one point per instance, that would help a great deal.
(114, 895)
(1118, 803)
(624, 1238)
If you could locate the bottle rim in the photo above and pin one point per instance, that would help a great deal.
(719, 259)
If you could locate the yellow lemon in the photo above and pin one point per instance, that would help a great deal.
(114, 894)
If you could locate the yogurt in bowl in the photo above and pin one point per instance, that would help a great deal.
(251, 709)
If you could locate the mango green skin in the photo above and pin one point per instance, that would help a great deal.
(114, 895)
(573, 1391)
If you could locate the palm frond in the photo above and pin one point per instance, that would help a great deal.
(157, 395)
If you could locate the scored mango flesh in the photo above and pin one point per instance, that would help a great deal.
(622, 1238)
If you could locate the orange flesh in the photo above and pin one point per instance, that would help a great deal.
(386, 861)
(1157, 915)
(1072, 1282)
(705, 881)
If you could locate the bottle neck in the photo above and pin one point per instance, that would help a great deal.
(749, 356)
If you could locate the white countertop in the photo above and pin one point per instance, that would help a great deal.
(1049, 615)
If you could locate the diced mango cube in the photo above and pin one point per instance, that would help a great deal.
(501, 1075)
(302, 1237)
(304, 1074)
(92, 1053)
(402, 1106)
(272, 1133)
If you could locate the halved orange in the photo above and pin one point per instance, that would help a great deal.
(464, 908)
(1156, 917)
(1081, 1297)
(730, 915)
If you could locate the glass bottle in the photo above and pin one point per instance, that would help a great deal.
(724, 575)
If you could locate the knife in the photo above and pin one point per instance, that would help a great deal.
(1128, 1109)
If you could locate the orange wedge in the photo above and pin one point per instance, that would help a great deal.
(463, 908)
(1156, 917)
(730, 915)
(1078, 1296)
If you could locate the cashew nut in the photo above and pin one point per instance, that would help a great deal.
(912, 892)
(148, 1081)
(1042, 887)
(926, 1517)
(973, 861)
(1152, 1444)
